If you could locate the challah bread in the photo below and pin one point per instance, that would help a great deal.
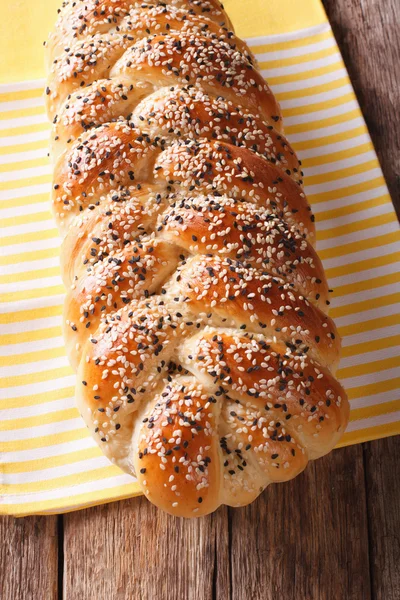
(196, 312)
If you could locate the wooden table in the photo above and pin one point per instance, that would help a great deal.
(331, 534)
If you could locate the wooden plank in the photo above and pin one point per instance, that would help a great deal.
(382, 467)
(367, 34)
(306, 539)
(28, 558)
(133, 551)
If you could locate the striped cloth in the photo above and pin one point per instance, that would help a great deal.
(48, 462)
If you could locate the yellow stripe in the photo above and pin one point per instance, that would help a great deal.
(64, 481)
(21, 95)
(48, 375)
(26, 219)
(45, 440)
(356, 349)
(298, 60)
(312, 91)
(350, 190)
(25, 164)
(31, 336)
(354, 226)
(308, 74)
(318, 106)
(370, 263)
(36, 356)
(81, 500)
(29, 466)
(330, 139)
(34, 399)
(22, 183)
(43, 292)
(23, 147)
(320, 123)
(31, 314)
(17, 113)
(368, 434)
(277, 46)
(336, 156)
(373, 388)
(24, 257)
(30, 275)
(367, 284)
(52, 417)
(349, 209)
(336, 174)
(374, 242)
(374, 411)
(371, 325)
(26, 200)
(32, 236)
(342, 311)
(24, 129)
(370, 367)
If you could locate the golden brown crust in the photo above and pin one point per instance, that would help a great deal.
(196, 307)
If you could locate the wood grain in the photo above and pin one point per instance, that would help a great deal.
(28, 558)
(131, 550)
(307, 539)
(368, 37)
(382, 466)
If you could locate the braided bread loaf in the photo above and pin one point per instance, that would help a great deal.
(196, 313)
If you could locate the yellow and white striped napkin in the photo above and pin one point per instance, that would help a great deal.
(48, 462)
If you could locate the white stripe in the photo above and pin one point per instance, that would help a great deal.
(38, 431)
(83, 466)
(356, 297)
(21, 104)
(23, 412)
(300, 51)
(374, 400)
(25, 191)
(68, 492)
(31, 247)
(305, 84)
(365, 275)
(24, 138)
(27, 228)
(320, 115)
(338, 165)
(31, 304)
(30, 285)
(34, 84)
(316, 98)
(369, 378)
(385, 419)
(29, 389)
(344, 182)
(34, 324)
(51, 343)
(356, 217)
(348, 259)
(368, 315)
(26, 173)
(34, 367)
(288, 37)
(311, 65)
(357, 236)
(23, 156)
(49, 451)
(29, 209)
(365, 337)
(315, 134)
(335, 147)
(364, 196)
(23, 121)
(28, 266)
(369, 355)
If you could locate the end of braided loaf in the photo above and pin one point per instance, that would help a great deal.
(196, 313)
